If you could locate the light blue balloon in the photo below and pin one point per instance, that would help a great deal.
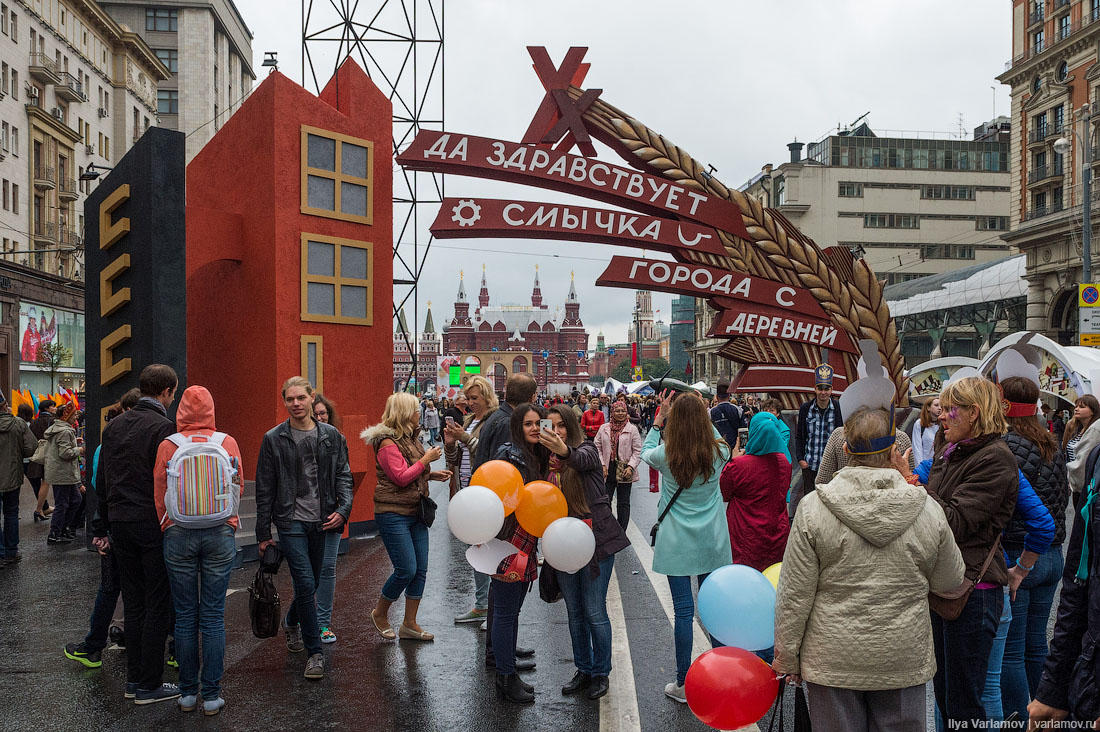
(737, 606)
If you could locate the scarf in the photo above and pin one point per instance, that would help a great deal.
(616, 430)
(764, 435)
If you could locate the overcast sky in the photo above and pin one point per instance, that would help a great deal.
(731, 81)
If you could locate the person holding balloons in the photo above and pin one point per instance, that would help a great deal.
(691, 536)
(755, 486)
(575, 467)
(851, 614)
(515, 575)
(403, 471)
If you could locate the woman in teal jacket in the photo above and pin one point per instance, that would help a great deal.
(693, 538)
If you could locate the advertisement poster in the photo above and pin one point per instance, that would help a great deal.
(40, 325)
(448, 384)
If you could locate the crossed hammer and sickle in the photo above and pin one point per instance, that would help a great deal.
(558, 121)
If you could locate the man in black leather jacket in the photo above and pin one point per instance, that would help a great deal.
(304, 487)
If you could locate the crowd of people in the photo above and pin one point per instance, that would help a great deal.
(932, 554)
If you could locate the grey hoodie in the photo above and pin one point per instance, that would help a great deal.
(852, 608)
(62, 454)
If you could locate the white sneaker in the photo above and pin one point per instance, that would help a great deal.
(676, 691)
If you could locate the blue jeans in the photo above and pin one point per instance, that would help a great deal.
(589, 626)
(304, 546)
(683, 608)
(504, 630)
(9, 536)
(326, 583)
(991, 695)
(962, 647)
(199, 562)
(1026, 650)
(110, 587)
(406, 541)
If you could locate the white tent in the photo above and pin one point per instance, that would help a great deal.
(1067, 372)
(639, 387)
(613, 386)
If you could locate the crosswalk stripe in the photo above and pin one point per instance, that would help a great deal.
(619, 708)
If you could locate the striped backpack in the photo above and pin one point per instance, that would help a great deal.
(201, 491)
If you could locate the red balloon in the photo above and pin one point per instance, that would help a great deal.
(730, 688)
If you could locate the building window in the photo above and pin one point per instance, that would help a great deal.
(168, 101)
(1037, 41)
(170, 57)
(1059, 114)
(4, 19)
(313, 361)
(14, 198)
(1062, 72)
(1041, 125)
(1094, 12)
(891, 221)
(160, 20)
(992, 223)
(7, 204)
(337, 176)
(1063, 27)
(336, 280)
(850, 190)
(952, 193)
(946, 251)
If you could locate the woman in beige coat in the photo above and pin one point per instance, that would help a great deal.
(852, 609)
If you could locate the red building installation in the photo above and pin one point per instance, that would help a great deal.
(289, 260)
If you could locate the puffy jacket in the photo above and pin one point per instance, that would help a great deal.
(402, 478)
(591, 422)
(277, 477)
(16, 442)
(852, 607)
(62, 454)
(1050, 483)
(195, 416)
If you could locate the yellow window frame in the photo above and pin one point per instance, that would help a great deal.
(319, 342)
(337, 280)
(337, 176)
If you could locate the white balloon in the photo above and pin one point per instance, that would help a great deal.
(485, 558)
(568, 544)
(475, 514)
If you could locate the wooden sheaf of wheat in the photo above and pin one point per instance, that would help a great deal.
(778, 251)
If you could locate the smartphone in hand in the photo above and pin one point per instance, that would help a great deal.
(546, 425)
(450, 419)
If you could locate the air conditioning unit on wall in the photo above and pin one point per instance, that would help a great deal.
(102, 111)
(58, 113)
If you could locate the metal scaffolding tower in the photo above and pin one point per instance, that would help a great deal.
(399, 43)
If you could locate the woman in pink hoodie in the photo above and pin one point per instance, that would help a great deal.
(193, 553)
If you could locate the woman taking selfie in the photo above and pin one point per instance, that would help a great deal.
(692, 536)
(575, 467)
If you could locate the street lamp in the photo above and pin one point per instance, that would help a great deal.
(1062, 147)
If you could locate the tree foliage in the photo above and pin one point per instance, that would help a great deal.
(51, 357)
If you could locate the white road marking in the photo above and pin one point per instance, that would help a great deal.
(619, 709)
(700, 640)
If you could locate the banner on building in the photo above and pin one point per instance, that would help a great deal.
(41, 325)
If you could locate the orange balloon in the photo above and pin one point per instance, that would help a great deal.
(502, 478)
(541, 504)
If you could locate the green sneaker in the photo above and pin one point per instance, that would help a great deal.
(173, 662)
(80, 653)
(327, 636)
(474, 616)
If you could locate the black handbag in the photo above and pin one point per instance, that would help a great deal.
(425, 510)
(801, 710)
(549, 589)
(653, 531)
(263, 605)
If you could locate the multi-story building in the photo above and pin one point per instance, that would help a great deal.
(682, 334)
(76, 89)
(1053, 75)
(910, 206)
(207, 47)
(556, 338)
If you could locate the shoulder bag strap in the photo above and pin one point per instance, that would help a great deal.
(988, 560)
(670, 503)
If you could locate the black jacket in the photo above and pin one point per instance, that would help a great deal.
(1070, 676)
(277, 477)
(726, 418)
(1050, 484)
(124, 481)
(496, 431)
(610, 537)
(802, 430)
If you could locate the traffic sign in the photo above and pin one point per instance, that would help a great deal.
(1090, 339)
(546, 354)
(610, 351)
(1088, 296)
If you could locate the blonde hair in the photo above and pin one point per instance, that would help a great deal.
(297, 381)
(482, 384)
(402, 414)
(865, 425)
(974, 391)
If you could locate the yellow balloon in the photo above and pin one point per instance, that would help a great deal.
(772, 573)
